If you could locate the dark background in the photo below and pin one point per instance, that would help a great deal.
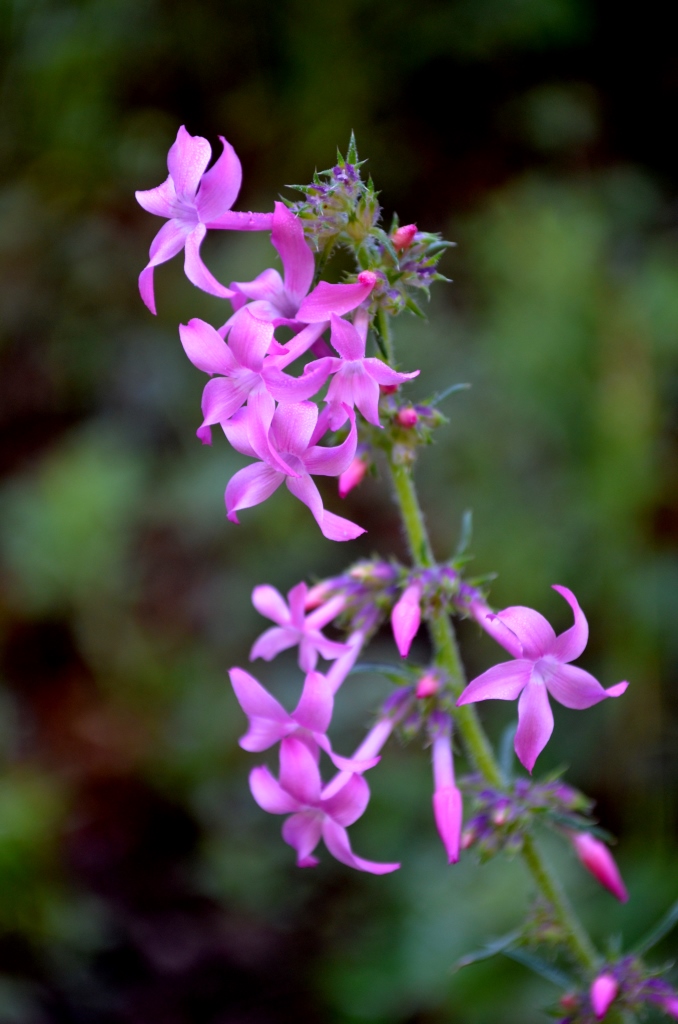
(138, 881)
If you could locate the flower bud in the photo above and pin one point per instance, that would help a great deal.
(406, 618)
(603, 992)
(352, 476)
(569, 1001)
(427, 686)
(368, 278)
(388, 389)
(403, 237)
(468, 838)
(407, 417)
(501, 815)
(597, 859)
(670, 1006)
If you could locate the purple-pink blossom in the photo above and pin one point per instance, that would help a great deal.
(406, 618)
(294, 627)
(316, 812)
(541, 667)
(597, 859)
(195, 199)
(285, 442)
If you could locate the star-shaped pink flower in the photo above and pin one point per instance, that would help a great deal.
(541, 667)
(294, 627)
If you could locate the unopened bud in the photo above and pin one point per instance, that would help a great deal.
(501, 815)
(368, 278)
(597, 859)
(407, 417)
(427, 686)
(603, 992)
(468, 838)
(352, 476)
(670, 1006)
(388, 389)
(402, 237)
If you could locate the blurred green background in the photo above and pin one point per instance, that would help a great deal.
(138, 881)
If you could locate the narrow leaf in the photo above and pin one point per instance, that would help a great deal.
(541, 967)
(437, 399)
(662, 928)
(466, 533)
(489, 950)
(394, 673)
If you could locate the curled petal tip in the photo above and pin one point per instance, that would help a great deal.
(617, 690)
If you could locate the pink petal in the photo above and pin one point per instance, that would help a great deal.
(272, 642)
(168, 242)
(617, 690)
(146, 289)
(406, 618)
(220, 185)
(448, 814)
(254, 699)
(349, 803)
(268, 286)
(249, 340)
(261, 410)
(345, 338)
(205, 347)
(321, 461)
(338, 672)
(326, 612)
(296, 255)
(329, 649)
(535, 634)
(221, 399)
(293, 426)
(366, 396)
(299, 773)
(333, 527)
(296, 389)
(160, 201)
(302, 832)
(250, 486)
(337, 528)
(346, 765)
(186, 162)
(597, 859)
(535, 723)
(383, 374)
(375, 739)
(270, 603)
(570, 686)
(326, 299)
(262, 734)
(308, 655)
(570, 644)
(296, 598)
(269, 794)
(243, 221)
(237, 433)
(299, 345)
(501, 682)
(493, 625)
(314, 710)
(194, 268)
(337, 842)
(352, 476)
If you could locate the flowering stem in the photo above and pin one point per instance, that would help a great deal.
(475, 740)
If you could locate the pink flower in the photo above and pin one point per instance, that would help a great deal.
(293, 627)
(603, 992)
(352, 476)
(447, 803)
(541, 668)
(285, 443)
(597, 859)
(195, 200)
(270, 723)
(316, 812)
(427, 686)
(356, 378)
(286, 301)
(245, 368)
(406, 618)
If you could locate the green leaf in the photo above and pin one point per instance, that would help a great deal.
(489, 950)
(437, 399)
(662, 928)
(541, 967)
(414, 308)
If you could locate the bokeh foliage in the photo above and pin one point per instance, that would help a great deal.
(137, 880)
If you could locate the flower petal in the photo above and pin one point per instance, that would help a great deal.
(349, 803)
(338, 672)
(262, 734)
(383, 374)
(221, 399)
(219, 187)
(337, 842)
(314, 710)
(296, 389)
(493, 626)
(267, 286)
(501, 682)
(366, 396)
(237, 221)
(573, 687)
(249, 340)
(302, 832)
(186, 162)
(406, 618)
(345, 338)
(535, 634)
(296, 598)
(296, 255)
(206, 348)
(333, 527)
(322, 461)
(269, 794)
(168, 242)
(254, 699)
(326, 299)
(535, 723)
(293, 426)
(272, 642)
(337, 528)
(448, 814)
(270, 603)
(160, 201)
(570, 644)
(326, 612)
(196, 271)
(250, 486)
(237, 433)
(299, 773)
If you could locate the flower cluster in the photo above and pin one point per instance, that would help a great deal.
(626, 985)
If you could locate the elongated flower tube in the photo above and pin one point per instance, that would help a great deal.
(294, 627)
(596, 858)
(603, 993)
(406, 618)
(447, 802)
(194, 199)
(541, 667)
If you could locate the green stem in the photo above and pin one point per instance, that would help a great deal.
(475, 740)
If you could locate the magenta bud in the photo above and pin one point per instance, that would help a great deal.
(388, 389)
(447, 811)
(406, 618)
(427, 686)
(352, 476)
(603, 992)
(403, 237)
(368, 278)
(407, 417)
(597, 859)
(670, 1006)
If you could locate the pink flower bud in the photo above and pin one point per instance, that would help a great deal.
(597, 859)
(406, 618)
(427, 686)
(352, 476)
(407, 417)
(402, 237)
(468, 838)
(388, 389)
(318, 594)
(447, 805)
(670, 1006)
(569, 1001)
(603, 991)
(368, 278)
(500, 816)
